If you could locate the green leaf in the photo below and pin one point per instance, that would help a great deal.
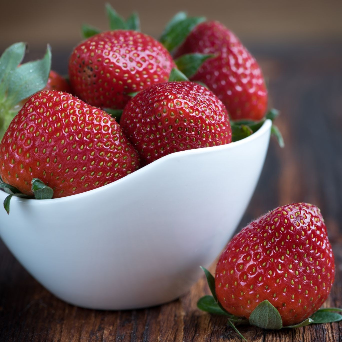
(308, 321)
(12, 191)
(272, 114)
(210, 281)
(133, 94)
(40, 190)
(209, 304)
(114, 113)
(133, 22)
(180, 16)
(266, 316)
(29, 78)
(177, 76)
(240, 132)
(116, 22)
(325, 317)
(7, 203)
(9, 62)
(190, 63)
(330, 309)
(231, 324)
(177, 31)
(275, 131)
(8, 188)
(202, 84)
(89, 31)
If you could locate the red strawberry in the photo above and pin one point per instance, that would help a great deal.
(175, 116)
(284, 257)
(233, 75)
(105, 68)
(69, 145)
(57, 82)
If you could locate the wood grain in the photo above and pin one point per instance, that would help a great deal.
(306, 85)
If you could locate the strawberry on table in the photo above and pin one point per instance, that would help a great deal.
(232, 73)
(69, 145)
(175, 116)
(107, 67)
(279, 267)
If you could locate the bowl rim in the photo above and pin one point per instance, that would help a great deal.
(202, 150)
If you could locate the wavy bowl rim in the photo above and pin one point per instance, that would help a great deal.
(203, 150)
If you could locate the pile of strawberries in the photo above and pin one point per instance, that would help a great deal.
(130, 100)
(66, 135)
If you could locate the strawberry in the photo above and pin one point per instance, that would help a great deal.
(232, 74)
(174, 116)
(69, 145)
(283, 257)
(108, 66)
(57, 82)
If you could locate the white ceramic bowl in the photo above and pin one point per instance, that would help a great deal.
(139, 241)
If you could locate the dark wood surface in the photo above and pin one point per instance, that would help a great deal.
(305, 83)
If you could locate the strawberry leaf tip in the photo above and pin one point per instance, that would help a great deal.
(12, 191)
(40, 190)
(190, 63)
(9, 189)
(134, 93)
(177, 76)
(243, 128)
(18, 82)
(133, 22)
(114, 113)
(89, 31)
(178, 29)
(209, 304)
(322, 316)
(266, 316)
(116, 22)
(210, 281)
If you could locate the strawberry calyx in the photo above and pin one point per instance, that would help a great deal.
(265, 315)
(175, 76)
(19, 81)
(178, 29)
(243, 128)
(40, 190)
(116, 22)
(115, 113)
(190, 63)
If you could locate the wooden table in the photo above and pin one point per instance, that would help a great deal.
(306, 85)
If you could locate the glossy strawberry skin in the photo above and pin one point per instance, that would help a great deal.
(57, 82)
(69, 145)
(105, 68)
(284, 257)
(233, 74)
(175, 116)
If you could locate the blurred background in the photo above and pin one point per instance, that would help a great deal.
(58, 23)
(299, 47)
